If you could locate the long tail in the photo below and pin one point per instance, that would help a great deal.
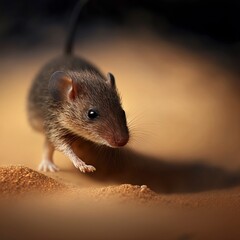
(68, 48)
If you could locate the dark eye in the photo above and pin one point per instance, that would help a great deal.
(92, 114)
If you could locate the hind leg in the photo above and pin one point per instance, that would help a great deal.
(47, 164)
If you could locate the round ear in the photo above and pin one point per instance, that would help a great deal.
(111, 80)
(62, 87)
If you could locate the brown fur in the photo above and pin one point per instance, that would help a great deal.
(63, 121)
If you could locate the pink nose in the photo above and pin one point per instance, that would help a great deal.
(120, 142)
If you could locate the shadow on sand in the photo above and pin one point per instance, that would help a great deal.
(128, 166)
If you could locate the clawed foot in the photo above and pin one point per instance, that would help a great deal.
(47, 166)
(83, 167)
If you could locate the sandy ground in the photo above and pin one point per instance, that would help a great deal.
(183, 109)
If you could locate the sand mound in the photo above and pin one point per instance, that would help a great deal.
(125, 192)
(16, 180)
(19, 179)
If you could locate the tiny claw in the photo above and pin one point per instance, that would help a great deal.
(91, 168)
(82, 169)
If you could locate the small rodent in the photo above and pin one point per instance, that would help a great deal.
(71, 99)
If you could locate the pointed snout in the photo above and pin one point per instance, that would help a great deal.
(120, 137)
(122, 141)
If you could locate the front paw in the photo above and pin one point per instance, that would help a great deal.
(83, 167)
(47, 166)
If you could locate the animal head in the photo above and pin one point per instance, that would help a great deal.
(92, 106)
